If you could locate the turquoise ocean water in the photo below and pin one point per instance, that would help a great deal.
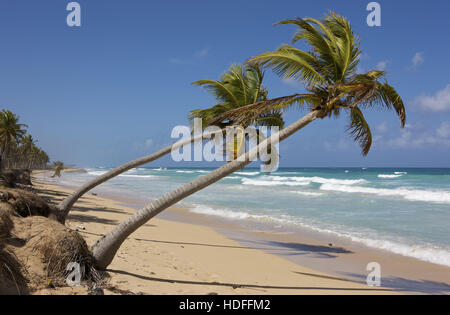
(405, 211)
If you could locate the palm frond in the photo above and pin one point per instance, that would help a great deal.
(292, 63)
(249, 114)
(220, 90)
(346, 42)
(334, 43)
(392, 98)
(308, 32)
(271, 119)
(359, 130)
(236, 81)
(255, 77)
(209, 114)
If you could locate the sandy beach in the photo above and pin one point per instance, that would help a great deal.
(168, 257)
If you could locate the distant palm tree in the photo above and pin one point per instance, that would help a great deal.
(26, 151)
(40, 158)
(333, 86)
(238, 87)
(11, 132)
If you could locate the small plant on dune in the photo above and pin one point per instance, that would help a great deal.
(58, 167)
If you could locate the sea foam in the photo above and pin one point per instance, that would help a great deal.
(389, 175)
(96, 173)
(308, 193)
(255, 182)
(409, 194)
(298, 181)
(247, 173)
(224, 213)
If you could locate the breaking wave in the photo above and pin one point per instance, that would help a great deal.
(389, 175)
(298, 181)
(408, 194)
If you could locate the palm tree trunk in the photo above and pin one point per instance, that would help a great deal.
(106, 248)
(65, 205)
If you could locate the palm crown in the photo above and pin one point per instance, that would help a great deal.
(329, 71)
(10, 129)
(238, 87)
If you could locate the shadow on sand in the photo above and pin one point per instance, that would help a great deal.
(296, 248)
(243, 285)
(408, 285)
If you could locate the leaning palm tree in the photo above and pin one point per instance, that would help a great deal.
(329, 72)
(11, 132)
(238, 87)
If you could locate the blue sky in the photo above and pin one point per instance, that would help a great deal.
(113, 89)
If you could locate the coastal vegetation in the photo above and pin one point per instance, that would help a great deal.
(19, 153)
(18, 150)
(34, 250)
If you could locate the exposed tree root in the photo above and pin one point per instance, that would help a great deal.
(35, 251)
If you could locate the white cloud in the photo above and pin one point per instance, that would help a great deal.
(189, 60)
(418, 59)
(415, 137)
(444, 130)
(439, 102)
(364, 56)
(293, 83)
(148, 143)
(411, 138)
(382, 65)
(403, 141)
(142, 145)
(203, 52)
(382, 128)
(178, 61)
(360, 69)
(341, 145)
